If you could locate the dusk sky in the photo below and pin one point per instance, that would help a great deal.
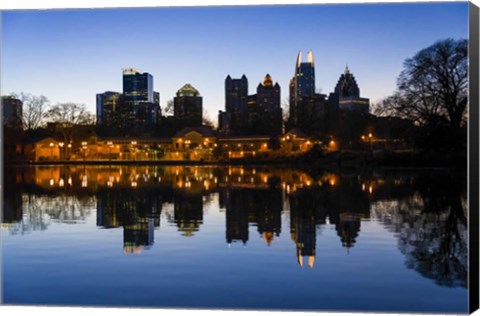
(71, 55)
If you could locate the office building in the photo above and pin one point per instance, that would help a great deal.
(307, 108)
(12, 111)
(137, 87)
(234, 120)
(107, 107)
(188, 107)
(269, 111)
(347, 94)
(138, 107)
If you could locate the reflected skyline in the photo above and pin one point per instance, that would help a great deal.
(416, 210)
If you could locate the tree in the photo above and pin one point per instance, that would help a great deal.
(169, 108)
(206, 120)
(34, 109)
(433, 87)
(68, 117)
(286, 114)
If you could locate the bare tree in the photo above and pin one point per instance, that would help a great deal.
(433, 87)
(34, 109)
(68, 117)
(168, 110)
(206, 120)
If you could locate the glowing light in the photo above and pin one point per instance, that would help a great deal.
(61, 183)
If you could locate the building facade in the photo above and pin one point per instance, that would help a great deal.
(138, 107)
(137, 87)
(269, 111)
(188, 106)
(347, 94)
(307, 108)
(235, 119)
(12, 111)
(107, 106)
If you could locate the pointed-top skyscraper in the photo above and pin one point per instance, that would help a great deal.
(233, 120)
(304, 78)
(347, 94)
(306, 106)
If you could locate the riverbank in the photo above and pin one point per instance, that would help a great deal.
(314, 159)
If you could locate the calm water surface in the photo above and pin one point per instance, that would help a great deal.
(235, 237)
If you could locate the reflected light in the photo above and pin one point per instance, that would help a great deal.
(84, 181)
(300, 260)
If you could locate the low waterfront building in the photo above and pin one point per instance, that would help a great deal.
(42, 149)
(199, 143)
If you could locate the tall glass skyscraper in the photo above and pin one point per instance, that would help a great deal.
(306, 106)
(236, 94)
(305, 76)
(137, 87)
(107, 105)
(302, 85)
(137, 107)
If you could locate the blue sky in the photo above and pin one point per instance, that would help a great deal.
(70, 55)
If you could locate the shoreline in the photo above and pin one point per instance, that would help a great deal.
(313, 160)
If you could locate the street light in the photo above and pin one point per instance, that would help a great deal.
(51, 151)
(134, 150)
(84, 147)
(61, 149)
(110, 146)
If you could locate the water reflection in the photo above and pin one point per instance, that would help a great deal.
(425, 211)
(137, 213)
(431, 226)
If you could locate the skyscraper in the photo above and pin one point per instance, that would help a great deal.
(302, 84)
(347, 94)
(307, 108)
(137, 86)
(269, 111)
(12, 111)
(107, 107)
(187, 106)
(137, 107)
(305, 76)
(234, 119)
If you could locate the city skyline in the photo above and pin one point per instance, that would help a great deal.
(95, 45)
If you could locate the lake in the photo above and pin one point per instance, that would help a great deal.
(233, 237)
